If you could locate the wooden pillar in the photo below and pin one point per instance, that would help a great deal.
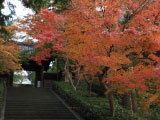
(39, 76)
(36, 79)
(57, 68)
(11, 79)
(9, 82)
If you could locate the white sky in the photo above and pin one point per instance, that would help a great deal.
(23, 73)
(20, 10)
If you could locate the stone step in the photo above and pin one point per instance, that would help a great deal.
(39, 112)
(47, 115)
(40, 117)
(35, 104)
(43, 119)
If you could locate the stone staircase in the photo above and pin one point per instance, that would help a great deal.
(35, 104)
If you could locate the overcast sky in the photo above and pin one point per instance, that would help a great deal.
(20, 10)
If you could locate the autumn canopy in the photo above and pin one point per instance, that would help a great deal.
(114, 41)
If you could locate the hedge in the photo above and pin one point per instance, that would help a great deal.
(90, 108)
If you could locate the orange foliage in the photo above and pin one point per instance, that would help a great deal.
(113, 34)
(9, 56)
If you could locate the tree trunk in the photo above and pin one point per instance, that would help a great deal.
(70, 79)
(76, 78)
(110, 95)
(127, 101)
(66, 78)
(134, 101)
(74, 81)
(130, 102)
(111, 103)
(89, 87)
(68, 75)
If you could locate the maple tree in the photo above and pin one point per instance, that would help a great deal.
(9, 54)
(9, 57)
(43, 31)
(114, 38)
(113, 41)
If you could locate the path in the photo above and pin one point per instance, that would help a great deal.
(35, 104)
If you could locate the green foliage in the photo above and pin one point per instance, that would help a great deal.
(24, 55)
(5, 20)
(47, 45)
(36, 5)
(4, 33)
(98, 90)
(57, 66)
(31, 76)
(1, 65)
(61, 4)
(151, 114)
(53, 68)
(91, 108)
(2, 17)
(18, 78)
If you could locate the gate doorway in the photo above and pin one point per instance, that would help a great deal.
(24, 78)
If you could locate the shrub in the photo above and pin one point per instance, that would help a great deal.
(90, 108)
